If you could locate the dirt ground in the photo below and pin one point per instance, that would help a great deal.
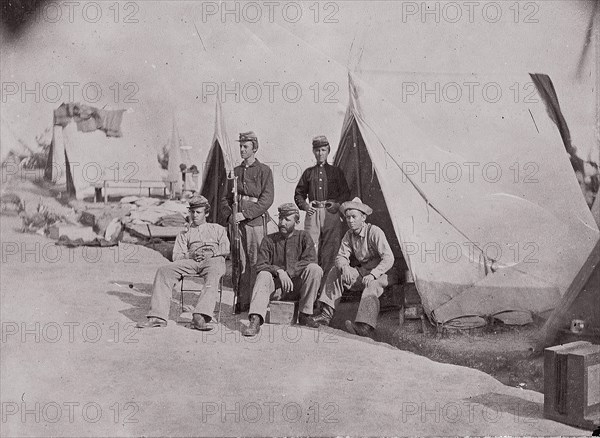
(504, 352)
(74, 365)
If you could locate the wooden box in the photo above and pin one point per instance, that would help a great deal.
(572, 384)
(282, 312)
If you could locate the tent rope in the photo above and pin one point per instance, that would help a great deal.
(423, 195)
(490, 265)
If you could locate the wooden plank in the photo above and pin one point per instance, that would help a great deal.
(548, 332)
(155, 231)
(133, 184)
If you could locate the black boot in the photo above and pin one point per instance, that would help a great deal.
(307, 320)
(254, 327)
(360, 329)
(199, 322)
(324, 318)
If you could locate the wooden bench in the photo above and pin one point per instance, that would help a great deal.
(101, 188)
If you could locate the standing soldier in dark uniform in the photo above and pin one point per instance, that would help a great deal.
(326, 188)
(255, 196)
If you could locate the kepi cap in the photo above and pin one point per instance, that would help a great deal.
(247, 136)
(356, 204)
(319, 141)
(287, 209)
(197, 201)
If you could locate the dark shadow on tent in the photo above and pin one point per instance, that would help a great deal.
(214, 184)
(353, 158)
(546, 90)
(50, 171)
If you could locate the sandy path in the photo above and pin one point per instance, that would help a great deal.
(72, 365)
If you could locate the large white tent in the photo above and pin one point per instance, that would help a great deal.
(80, 161)
(479, 195)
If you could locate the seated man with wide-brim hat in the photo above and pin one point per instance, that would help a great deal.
(364, 262)
(201, 250)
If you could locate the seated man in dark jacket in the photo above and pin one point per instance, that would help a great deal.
(287, 270)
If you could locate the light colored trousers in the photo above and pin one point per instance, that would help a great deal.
(268, 288)
(325, 229)
(368, 309)
(250, 237)
(167, 277)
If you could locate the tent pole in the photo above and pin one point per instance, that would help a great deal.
(547, 333)
(357, 161)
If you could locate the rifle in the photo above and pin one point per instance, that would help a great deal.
(235, 245)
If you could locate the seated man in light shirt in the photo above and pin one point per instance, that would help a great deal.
(364, 262)
(201, 249)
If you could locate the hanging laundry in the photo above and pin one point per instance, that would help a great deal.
(89, 119)
(110, 122)
(87, 125)
(83, 112)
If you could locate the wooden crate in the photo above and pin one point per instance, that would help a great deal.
(572, 384)
(282, 312)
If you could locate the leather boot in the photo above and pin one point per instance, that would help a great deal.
(360, 329)
(199, 322)
(324, 318)
(307, 320)
(254, 327)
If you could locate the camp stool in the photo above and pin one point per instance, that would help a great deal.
(198, 288)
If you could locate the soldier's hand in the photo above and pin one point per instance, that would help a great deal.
(311, 210)
(199, 256)
(240, 217)
(346, 275)
(367, 279)
(286, 281)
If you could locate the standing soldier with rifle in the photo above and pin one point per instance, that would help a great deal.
(246, 211)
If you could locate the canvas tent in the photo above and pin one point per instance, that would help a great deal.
(218, 166)
(476, 243)
(78, 161)
(596, 209)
